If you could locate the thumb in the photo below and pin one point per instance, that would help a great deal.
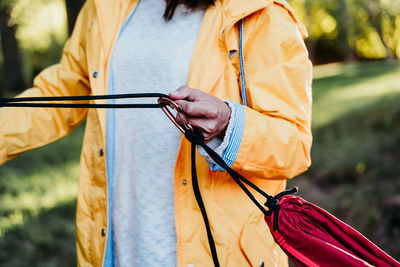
(180, 93)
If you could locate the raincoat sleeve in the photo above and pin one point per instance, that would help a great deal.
(277, 138)
(22, 129)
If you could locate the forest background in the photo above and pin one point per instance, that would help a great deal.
(355, 46)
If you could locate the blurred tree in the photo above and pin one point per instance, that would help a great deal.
(378, 14)
(13, 75)
(348, 29)
(344, 29)
(40, 33)
(310, 42)
(32, 34)
(73, 8)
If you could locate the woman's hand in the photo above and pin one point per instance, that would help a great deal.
(204, 111)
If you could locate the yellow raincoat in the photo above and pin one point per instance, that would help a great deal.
(276, 141)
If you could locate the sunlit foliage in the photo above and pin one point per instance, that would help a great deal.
(40, 22)
(41, 32)
(348, 29)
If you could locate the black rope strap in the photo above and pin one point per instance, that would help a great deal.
(272, 202)
(33, 101)
(273, 206)
(200, 202)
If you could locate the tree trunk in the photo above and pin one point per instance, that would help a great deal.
(344, 25)
(73, 8)
(310, 42)
(13, 77)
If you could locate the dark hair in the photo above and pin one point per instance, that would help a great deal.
(190, 4)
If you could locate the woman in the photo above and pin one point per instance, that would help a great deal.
(135, 202)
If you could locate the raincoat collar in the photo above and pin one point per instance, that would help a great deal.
(107, 12)
(234, 10)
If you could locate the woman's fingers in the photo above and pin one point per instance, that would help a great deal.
(187, 93)
(209, 128)
(196, 109)
(204, 111)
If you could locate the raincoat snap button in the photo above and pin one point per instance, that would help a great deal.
(95, 74)
(93, 20)
(101, 152)
(261, 263)
(184, 182)
(103, 232)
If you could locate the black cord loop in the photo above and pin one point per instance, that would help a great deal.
(196, 137)
(273, 206)
(33, 101)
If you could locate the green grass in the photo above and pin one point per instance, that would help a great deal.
(37, 205)
(355, 172)
(339, 90)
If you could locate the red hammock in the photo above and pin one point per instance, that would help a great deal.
(311, 236)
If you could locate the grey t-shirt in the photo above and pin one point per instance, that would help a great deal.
(151, 55)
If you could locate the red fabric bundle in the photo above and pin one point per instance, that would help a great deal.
(311, 236)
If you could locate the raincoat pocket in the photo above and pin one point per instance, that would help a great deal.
(259, 248)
